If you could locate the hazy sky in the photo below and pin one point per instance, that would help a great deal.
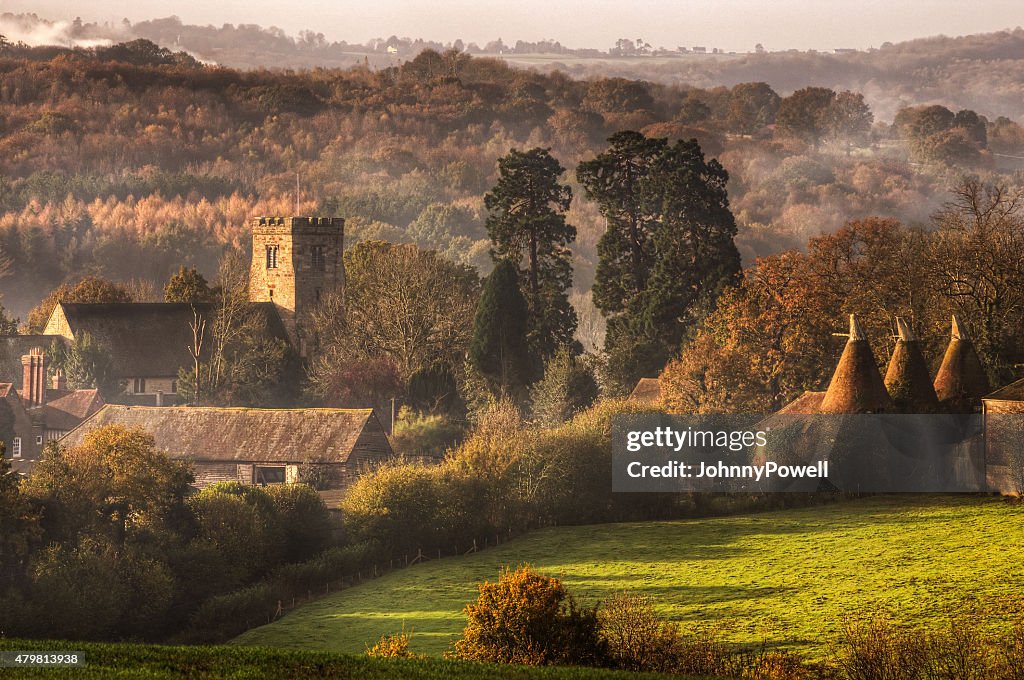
(729, 24)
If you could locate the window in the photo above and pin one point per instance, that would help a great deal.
(317, 295)
(319, 258)
(271, 257)
(269, 475)
(140, 386)
(39, 440)
(16, 447)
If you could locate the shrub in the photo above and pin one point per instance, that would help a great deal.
(1010, 654)
(392, 647)
(243, 524)
(418, 434)
(83, 585)
(304, 519)
(528, 618)
(224, 616)
(408, 507)
(877, 650)
(637, 639)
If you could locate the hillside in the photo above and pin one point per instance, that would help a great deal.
(788, 577)
(153, 661)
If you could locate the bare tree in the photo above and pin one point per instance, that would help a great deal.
(198, 327)
(977, 262)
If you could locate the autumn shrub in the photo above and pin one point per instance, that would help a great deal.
(1009, 654)
(765, 664)
(961, 652)
(425, 435)
(876, 649)
(636, 638)
(392, 647)
(529, 618)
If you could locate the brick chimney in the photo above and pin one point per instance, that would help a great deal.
(60, 381)
(33, 388)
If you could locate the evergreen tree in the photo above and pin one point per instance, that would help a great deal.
(499, 350)
(614, 179)
(527, 226)
(668, 251)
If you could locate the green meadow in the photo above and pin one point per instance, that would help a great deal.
(789, 577)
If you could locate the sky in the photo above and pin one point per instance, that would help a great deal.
(728, 24)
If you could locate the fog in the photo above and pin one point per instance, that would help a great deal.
(728, 24)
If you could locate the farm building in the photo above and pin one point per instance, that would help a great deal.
(325, 447)
(148, 343)
(37, 413)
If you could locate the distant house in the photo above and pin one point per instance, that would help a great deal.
(147, 342)
(257, 446)
(37, 414)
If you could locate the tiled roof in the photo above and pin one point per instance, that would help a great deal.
(856, 385)
(246, 434)
(65, 412)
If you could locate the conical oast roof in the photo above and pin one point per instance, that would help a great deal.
(961, 381)
(907, 380)
(856, 385)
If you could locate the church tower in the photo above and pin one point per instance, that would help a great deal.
(296, 261)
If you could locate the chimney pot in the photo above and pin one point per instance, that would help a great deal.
(33, 388)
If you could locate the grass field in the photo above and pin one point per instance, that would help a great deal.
(789, 576)
(155, 662)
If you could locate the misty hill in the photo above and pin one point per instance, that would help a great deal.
(984, 72)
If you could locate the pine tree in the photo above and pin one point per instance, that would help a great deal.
(527, 226)
(499, 350)
(668, 251)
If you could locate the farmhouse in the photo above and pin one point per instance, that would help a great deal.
(325, 447)
(37, 414)
(148, 343)
(295, 261)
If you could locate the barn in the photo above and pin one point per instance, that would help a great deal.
(325, 447)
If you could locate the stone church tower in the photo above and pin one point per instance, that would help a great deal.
(296, 261)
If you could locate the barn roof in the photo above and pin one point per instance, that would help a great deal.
(244, 434)
(68, 409)
(647, 391)
(147, 339)
(961, 381)
(856, 385)
(1012, 392)
(907, 379)
(806, 404)
(13, 347)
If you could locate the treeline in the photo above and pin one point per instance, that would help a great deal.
(105, 540)
(126, 161)
(770, 336)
